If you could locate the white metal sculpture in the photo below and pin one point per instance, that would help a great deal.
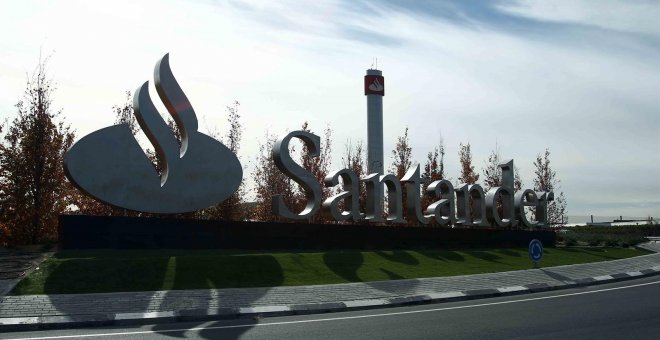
(199, 171)
(109, 164)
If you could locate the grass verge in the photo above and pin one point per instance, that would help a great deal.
(132, 270)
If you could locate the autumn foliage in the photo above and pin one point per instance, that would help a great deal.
(546, 180)
(354, 159)
(270, 181)
(33, 189)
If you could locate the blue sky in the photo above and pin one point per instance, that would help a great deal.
(581, 78)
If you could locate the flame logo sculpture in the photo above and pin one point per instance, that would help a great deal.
(376, 86)
(109, 164)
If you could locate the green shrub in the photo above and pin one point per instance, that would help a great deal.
(594, 242)
(612, 242)
(623, 236)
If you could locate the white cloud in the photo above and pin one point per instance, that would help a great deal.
(636, 16)
(286, 63)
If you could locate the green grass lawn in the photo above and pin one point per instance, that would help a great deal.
(132, 270)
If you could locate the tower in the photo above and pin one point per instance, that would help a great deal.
(374, 89)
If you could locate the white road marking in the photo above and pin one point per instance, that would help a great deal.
(339, 318)
(512, 289)
(603, 278)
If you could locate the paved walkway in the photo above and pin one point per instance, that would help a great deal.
(110, 308)
(15, 264)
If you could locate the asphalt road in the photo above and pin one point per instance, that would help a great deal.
(629, 309)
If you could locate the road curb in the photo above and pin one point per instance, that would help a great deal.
(126, 319)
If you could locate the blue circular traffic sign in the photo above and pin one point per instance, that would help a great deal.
(535, 250)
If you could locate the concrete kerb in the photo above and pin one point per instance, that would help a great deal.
(255, 313)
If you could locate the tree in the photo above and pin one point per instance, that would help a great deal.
(231, 208)
(268, 182)
(434, 167)
(468, 174)
(493, 174)
(4, 230)
(545, 181)
(318, 166)
(401, 155)
(401, 162)
(434, 170)
(354, 159)
(32, 184)
(124, 114)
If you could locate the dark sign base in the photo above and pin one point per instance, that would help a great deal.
(99, 232)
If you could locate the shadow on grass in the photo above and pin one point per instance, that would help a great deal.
(392, 275)
(582, 250)
(98, 275)
(597, 252)
(484, 255)
(228, 271)
(399, 256)
(509, 252)
(345, 264)
(442, 255)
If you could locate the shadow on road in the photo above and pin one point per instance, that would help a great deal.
(161, 280)
(232, 271)
(556, 276)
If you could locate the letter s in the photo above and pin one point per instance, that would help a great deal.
(306, 179)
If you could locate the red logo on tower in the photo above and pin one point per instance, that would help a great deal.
(374, 85)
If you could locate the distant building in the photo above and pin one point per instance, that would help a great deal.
(620, 222)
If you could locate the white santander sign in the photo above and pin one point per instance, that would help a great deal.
(109, 164)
